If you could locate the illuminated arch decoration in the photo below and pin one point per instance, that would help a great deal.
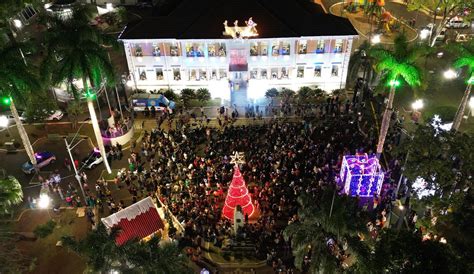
(238, 193)
(362, 175)
(236, 32)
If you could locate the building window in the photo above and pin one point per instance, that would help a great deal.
(159, 74)
(338, 46)
(275, 49)
(192, 75)
(176, 74)
(258, 49)
(302, 47)
(320, 46)
(141, 74)
(317, 71)
(138, 51)
(285, 48)
(202, 74)
(156, 50)
(175, 49)
(263, 73)
(300, 72)
(254, 73)
(222, 73)
(335, 70)
(194, 50)
(274, 73)
(284, 73)
(216, 49)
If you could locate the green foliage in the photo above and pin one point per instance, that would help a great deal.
(399, 63)
(76, 50)
(287, 94)
(272, 93)
(103, 255)
(44, 230)
(446, 113)
(465, 51)
(203, 94)
(320, 219)
(10, 194)
(187, 95)
(170, 94)
(39, 106)
(405, 252)
(307, 94)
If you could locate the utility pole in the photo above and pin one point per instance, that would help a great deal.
(70, 147)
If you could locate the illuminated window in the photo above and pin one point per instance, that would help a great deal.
(194, 50)
(202, 74)
(300, 72)
(216, 49)
(142, 74)
(222, 73)
(320, 46)
(156, 50)
(159, 73)
(174, 49)
(285, 48)
(302, 47)
(317, 71)
(335, 70)
(192, 75)
(263, 73)
(338, 46)
(274, 73)
(258, 48)
(176, 74)
(254, 73)
(284, 73)
(138, 51)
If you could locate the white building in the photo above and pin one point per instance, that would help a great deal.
(274, 43)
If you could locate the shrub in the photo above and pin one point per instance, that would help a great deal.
(446, 113)
(44, 230)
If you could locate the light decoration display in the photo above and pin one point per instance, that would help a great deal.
(236, 32)
(362, 175)
(238, 194)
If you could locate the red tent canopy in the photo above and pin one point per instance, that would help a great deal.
(136, 221)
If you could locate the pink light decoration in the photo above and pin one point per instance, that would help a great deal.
(238, 194)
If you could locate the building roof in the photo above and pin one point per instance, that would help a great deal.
(135, 222)
(275, 19)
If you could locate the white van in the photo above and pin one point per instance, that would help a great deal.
(457, 23)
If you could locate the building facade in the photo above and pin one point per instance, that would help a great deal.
(243, 59)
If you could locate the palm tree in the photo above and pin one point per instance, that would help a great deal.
(203, 95)
(75, 50)
(465, 60)
(272, 93)
(287, 95)
(325, 216)
(16, 82)
(187, 94)
(10, 194)
(394, 66)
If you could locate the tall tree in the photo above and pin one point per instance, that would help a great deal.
(17, 81)
(203, 95)
(321, 217)
(465, 60)
(272, 93)
(187, 94)
(395, 66)
(10, 194)
(446, 9)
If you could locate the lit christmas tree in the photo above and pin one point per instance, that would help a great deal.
(238, 194)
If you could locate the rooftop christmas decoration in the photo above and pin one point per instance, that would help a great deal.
(238, 194)
(362, 175)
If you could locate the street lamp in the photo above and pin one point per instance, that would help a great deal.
(450, 74)
(424, 33)
(44, 201)
(418, 104)
(4, 123)
(376, 39)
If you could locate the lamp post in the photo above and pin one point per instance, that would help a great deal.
(4, 123)
(95, 124)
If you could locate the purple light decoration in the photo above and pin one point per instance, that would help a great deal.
(362, 175)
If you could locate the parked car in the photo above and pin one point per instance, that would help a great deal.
(9, 115)
(51, 115)
(93, 159)
(462, 37)
(458, 23)
(42, 159)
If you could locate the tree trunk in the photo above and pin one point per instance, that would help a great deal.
(461, 108)
(385, 122)
(24, 136)
(95, 126)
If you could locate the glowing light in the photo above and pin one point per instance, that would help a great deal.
(96, 150)
(130, 83)
(3, 121)
(139, 59)
(17, 23)
(249, 30)
(471, 103)
(450, 74)
(401, 207)
(362, 175)
(424, 34)
(376, 39)
(44, 201)
(237, 195)
(109, 6)
(421, 189)
(470, 81)
(394, 83)
(418, 104)
(6, 100)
